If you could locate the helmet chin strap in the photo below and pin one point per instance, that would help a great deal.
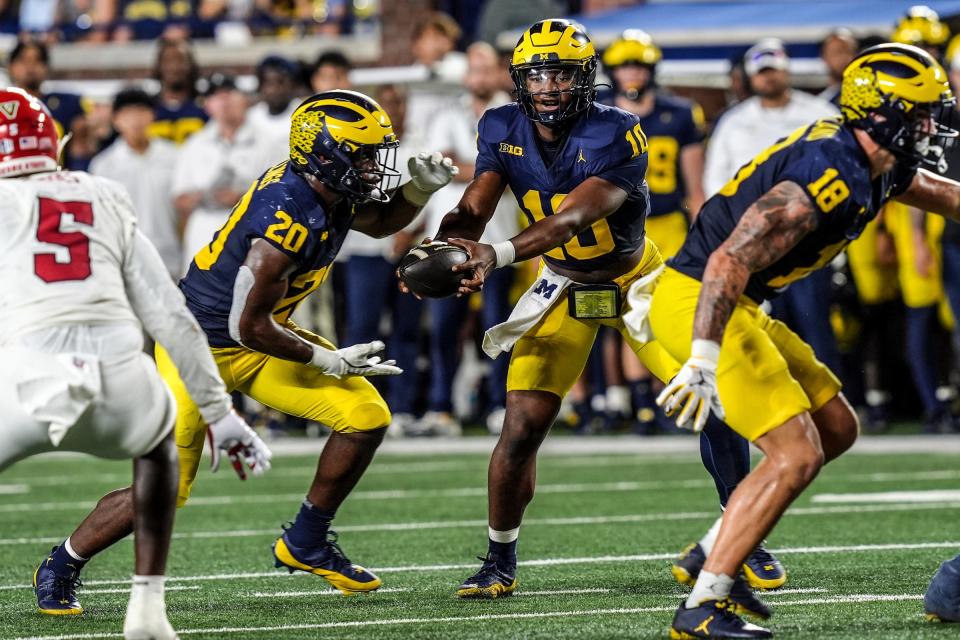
(634, 94)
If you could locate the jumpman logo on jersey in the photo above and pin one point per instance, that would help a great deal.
(580, 157)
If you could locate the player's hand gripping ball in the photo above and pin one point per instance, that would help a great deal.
(427, 269)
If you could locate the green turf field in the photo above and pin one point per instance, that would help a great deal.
(594, 550)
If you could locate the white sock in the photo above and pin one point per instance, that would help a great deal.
(70, 552)
(503, 537)
(149, 588)
(708, 540)
(710, 586)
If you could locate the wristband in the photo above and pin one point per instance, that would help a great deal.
(506, 253)
(414, 195)
(707, 351)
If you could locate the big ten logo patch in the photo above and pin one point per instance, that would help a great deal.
(514, 150)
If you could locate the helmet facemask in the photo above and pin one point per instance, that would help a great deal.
(546, 82)
(362, 173)
(917, 132)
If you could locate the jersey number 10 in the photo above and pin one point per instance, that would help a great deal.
(46, 265)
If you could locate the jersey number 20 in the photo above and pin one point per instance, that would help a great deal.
(46, 265)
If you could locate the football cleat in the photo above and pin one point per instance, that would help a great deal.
(56, 592)
(745, 602)
(687, 567)
(713, 619)
(494, 580)
(763, 570)
(327, 561)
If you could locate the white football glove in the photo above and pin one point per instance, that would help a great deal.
(429, 172)
(231, 435)
(694, 388)
(357, 360)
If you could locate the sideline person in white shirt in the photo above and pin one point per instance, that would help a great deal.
(278, 83)
(144, 166)
(216, 165)
(774, 111)
(454, 133)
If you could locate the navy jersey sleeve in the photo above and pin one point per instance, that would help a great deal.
(489, 132)
(621, 158)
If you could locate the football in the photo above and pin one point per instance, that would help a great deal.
(427, 269)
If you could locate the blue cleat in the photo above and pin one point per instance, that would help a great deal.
(687, 567)
(495, 579)
(763, 570)
(941, 603)
(57, 592)
(713, 619)
(327, 561)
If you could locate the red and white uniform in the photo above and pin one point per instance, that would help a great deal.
(78, 285)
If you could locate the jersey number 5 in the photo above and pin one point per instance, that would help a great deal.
(46, 265)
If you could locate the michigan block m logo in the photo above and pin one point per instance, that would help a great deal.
(544, 289)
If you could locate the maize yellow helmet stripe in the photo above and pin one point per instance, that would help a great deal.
(553, 40)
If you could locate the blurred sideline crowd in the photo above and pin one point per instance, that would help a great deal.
(881, 315)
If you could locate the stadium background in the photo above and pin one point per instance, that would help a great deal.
(612, 510)
(410, 55)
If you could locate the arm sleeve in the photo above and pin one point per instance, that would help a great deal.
(161, 308)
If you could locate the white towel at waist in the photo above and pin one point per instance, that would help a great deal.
(532, 305)
(636, 315)
(547, 289)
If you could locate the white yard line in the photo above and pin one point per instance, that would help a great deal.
(321, 592)
(477, 618)
(569, 521)
(481, 491)
(542, 562)
(14, 489)
(886, 497)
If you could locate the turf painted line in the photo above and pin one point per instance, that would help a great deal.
(571, 521)
(542, 562)
(322, 592)
(478, 618)
(14, 489)
(886, 497)
(392, 494)
(174, 587)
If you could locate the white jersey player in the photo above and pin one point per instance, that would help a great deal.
(78, 285)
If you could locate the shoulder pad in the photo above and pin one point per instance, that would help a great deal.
(495, 123)
(607, 126)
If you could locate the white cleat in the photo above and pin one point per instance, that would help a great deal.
(147, 616)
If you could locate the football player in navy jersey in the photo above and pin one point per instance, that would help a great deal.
(278, 246)
(781, 217)
(576, 168)
(674, 130)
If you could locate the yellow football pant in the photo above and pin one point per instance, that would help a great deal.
(348, 404)
(766, 373)
(552, 354)
(667, 232)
